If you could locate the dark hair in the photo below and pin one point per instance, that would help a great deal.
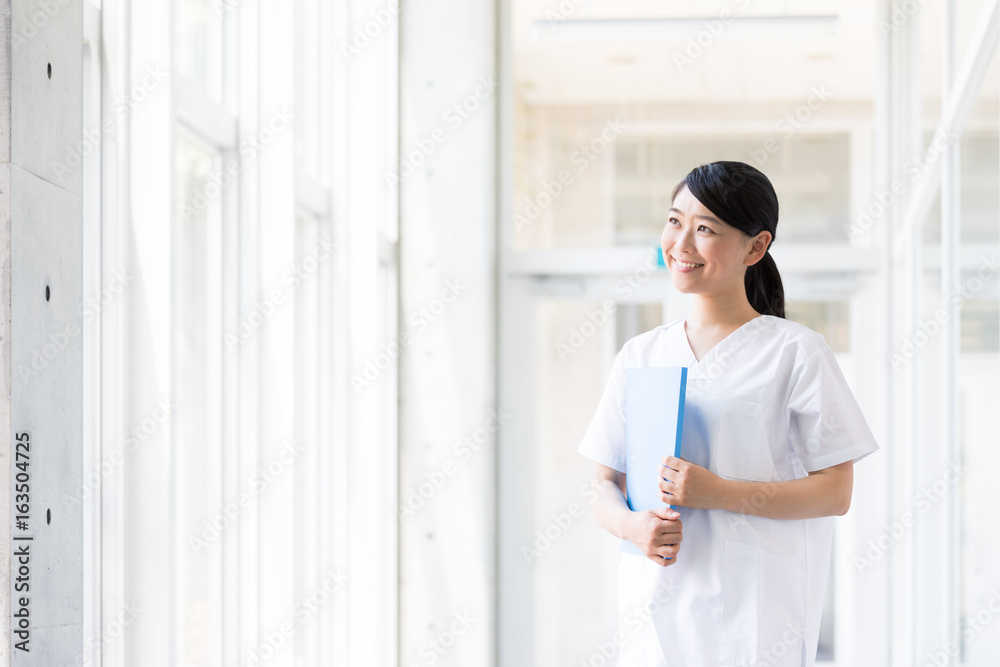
(744, 198)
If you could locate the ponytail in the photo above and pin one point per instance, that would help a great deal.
(765, 291)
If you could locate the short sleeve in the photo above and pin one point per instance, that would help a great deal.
(604, 440)
(825, 423)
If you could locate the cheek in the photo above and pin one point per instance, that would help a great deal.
(718, 253)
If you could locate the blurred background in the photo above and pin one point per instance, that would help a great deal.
(354, 274)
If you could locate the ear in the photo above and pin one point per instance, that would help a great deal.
(757, 247)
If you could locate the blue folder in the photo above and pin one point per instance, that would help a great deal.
(654, 419)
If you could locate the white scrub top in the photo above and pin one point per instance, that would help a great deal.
(767, 403)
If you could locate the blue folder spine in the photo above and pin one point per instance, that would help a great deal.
(680, 417)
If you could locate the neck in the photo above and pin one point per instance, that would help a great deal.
(721, 310)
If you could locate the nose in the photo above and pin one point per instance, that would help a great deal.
(683, 240)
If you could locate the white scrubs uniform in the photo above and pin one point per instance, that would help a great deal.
(768, 403)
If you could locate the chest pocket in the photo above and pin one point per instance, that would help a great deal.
(742, 450)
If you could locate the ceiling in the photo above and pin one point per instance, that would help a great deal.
(603, 51)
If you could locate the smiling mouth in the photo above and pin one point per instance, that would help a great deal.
(686, 265)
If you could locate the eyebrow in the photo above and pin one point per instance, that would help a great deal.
(706, 217)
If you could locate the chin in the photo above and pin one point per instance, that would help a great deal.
(682, 289)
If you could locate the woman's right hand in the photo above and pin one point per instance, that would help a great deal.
(657, 534)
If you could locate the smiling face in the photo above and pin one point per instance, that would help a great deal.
(720, 253)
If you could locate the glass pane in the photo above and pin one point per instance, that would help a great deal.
(197, 48)
(809, 175)
(979, 191)
(830, 318)
(307, 529)
(568, 388)
(616, 101)
(197, 433)
(979, 396)
(307, 86)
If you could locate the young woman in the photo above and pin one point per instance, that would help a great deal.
(771, 432)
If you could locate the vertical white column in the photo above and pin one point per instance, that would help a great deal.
(148, 214)
(275, 257)
(947, 593)
(900, 241)
(335, 639)
(369, 57)
(251, 571)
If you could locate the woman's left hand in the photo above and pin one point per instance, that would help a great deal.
(689, 485)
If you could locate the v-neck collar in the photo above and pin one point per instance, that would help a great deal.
(734, 334)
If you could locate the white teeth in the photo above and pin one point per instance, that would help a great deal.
(685, 265)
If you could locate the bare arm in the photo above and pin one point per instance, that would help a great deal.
(657, 533)
(610, 508)
(825, 492)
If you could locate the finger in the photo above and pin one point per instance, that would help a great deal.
(669, 529)
(668, 551)
(664, 471)
(672, 462)
(666, 514)
(660, 560)
(670, 497)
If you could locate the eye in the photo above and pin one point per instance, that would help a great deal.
(669, 220)
(706, 228)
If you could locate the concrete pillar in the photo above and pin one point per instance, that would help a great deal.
(448, 413)
(41, 48)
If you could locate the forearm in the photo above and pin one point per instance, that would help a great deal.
(808, 497)
(611, 510)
